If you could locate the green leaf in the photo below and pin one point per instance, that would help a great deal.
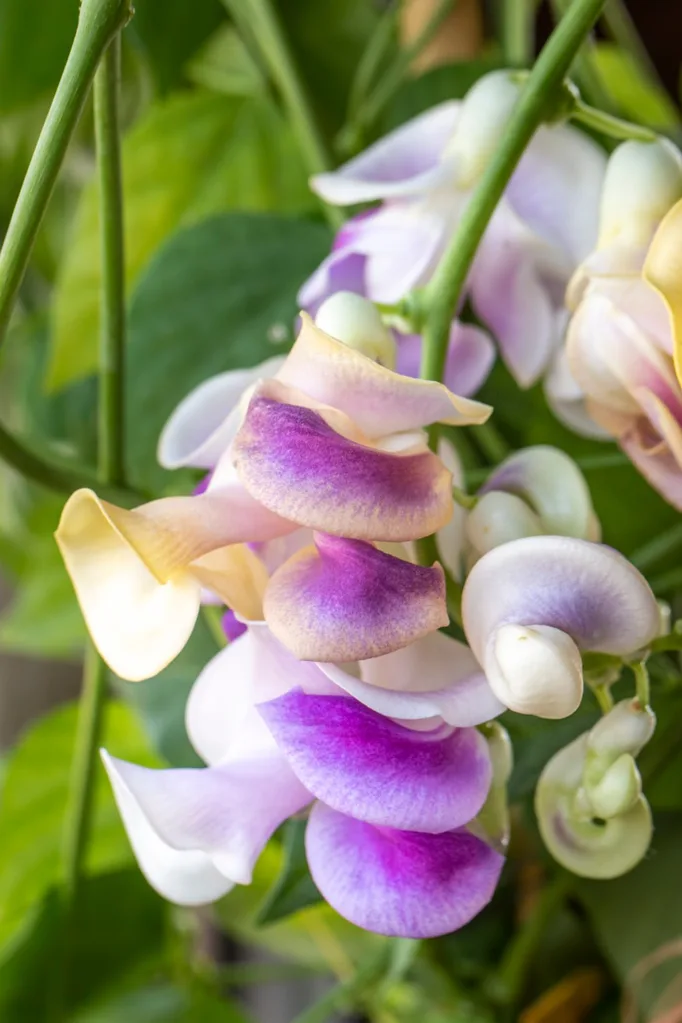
(451, 81)
(31, 61)
(225, 65)
(34, 800)
(636, 914)
(636, 95)
(163, 1003)
(118, 925)
(191, 156)
(171, 31)
(294, 888)
(220, 295)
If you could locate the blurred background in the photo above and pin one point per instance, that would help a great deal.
(221, 230)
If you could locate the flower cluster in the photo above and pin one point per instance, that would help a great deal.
(339, 694)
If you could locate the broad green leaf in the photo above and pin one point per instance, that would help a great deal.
(35, 38)
(218, 296)
(294, 888)
(118, 926)
(193, 155)
(163, 1003)
(641, 912)
(171, 31)
(639, 98)
(34, 800)
(225, 65)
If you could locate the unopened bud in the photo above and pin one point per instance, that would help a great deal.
(356, 321)
(643, 181)
(498, 518)
(483, 120)
(625, 729)
(618, 790)
(535, 669)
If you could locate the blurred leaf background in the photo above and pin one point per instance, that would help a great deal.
(221, 230)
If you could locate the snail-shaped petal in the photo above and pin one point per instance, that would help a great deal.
(530, 606)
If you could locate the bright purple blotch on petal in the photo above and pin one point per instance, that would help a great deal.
(344, 600)
(376, 770)
(232, 626)
(399, 883)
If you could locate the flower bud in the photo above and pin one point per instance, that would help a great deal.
(498, 518)
(618, 790)
(643, 181)
(535, 669)
(482, 121)
(356, 321)
(625, 729)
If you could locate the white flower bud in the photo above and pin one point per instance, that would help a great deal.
(498, 518)
(618, 790)
(482, 122)
(535, 669)
(356, 321)
(625, 729)
(643, 180)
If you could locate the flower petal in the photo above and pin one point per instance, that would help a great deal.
(376, 770)
(345, 601)
(405, 162)
(663, 270)
(378, 400)
(399, 883)
(295, 461)
(471, 354)
(202, 427)
(586, 590)
(219, 817)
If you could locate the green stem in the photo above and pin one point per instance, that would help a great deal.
(426, 550)
(98, 22)
(517, 17)
(649, 553)
(112, 344)
(349, 993)
(371, 59)
(521, 951)
(639, 670)
(272, 42)
(542, 89)
(491, 442)
(583, 69)
(607, 124)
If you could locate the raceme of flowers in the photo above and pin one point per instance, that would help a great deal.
(339, 696)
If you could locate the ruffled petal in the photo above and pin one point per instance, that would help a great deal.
(344, 600)
(556, 189)
(202, 426)
(197, 831)
(567, 399)
(379, 401)
(311, 466)
(552, 484)
(399, 883)
(586, 590)
(405, 162)
(378, 771)
(471, 354)
(663, 270)
(654, 445)
(138, 574)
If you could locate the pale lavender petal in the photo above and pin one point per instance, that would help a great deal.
(471, 355)
(342, 270)
(405, 162)
(403, 244)
(399, 883)
(296, 465)
(586, 590)
(227, 812)
(346, 601)
(376, 770)
(556, 188)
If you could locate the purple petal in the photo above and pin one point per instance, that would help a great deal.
(471, 355)
(378, 771)
(295, 464)
(232, 626)
(346, 601)
(584, 589)
(343, 270)
(406, 162)
(222, 817)
(399, 883)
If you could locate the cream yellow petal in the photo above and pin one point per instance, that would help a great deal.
(663, 271)
(237, 576)
(138, 622)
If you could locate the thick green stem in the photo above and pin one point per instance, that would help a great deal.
(268, 34)
(112, 341)
(98, 22)
(541, 90)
